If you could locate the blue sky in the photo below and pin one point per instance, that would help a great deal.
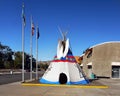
(88, 22)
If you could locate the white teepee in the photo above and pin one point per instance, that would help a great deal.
(64, 68)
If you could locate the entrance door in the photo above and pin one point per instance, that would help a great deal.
(62, 78)
(115, 71)
(89, 70)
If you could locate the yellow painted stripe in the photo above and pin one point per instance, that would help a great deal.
(69, 86)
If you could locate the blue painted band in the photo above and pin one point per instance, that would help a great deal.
(80, 82)
(50, 82)
(57, 82)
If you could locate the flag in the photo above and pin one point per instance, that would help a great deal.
(32, 27)
(23, 15)
(38, 34)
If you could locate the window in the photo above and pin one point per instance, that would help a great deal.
(89, 66)
(89, 54)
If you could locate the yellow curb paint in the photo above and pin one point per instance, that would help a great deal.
(69, 86)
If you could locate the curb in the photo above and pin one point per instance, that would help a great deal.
(68, 86)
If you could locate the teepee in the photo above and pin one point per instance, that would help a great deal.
(64, 68)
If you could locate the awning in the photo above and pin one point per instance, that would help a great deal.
(81, 65)
(115, 63)
(89, 63)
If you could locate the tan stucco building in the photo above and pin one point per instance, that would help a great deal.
(103, 60)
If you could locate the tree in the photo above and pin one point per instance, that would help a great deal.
(27, 61)
(6, 60)
(6, 56)
(43, 66)
(18, 60)
(1, 60)
(1, 56)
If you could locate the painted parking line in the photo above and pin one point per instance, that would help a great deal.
(69, 86)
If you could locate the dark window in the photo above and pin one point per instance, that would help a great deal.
(81, 67)
(89, 67)
(115, 71)
(89, 54)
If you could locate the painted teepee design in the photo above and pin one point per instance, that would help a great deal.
(64, 68)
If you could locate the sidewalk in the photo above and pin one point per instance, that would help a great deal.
(16, 89)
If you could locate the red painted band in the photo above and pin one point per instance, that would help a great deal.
(64, 61)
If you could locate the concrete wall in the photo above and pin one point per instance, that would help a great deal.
(102, 57)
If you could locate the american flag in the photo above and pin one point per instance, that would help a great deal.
(32, 28)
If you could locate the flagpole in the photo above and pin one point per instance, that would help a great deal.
(31, 51)
(23, 29)
(37, 53)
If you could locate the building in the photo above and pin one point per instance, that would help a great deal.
(103, 60)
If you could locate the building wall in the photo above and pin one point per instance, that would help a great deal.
(102, 57)
(85, 62)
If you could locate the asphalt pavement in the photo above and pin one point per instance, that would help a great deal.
(15, 77)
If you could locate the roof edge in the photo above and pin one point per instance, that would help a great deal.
(104, 43)
(101, 44)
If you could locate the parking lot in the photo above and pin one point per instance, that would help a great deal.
(16, 89)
